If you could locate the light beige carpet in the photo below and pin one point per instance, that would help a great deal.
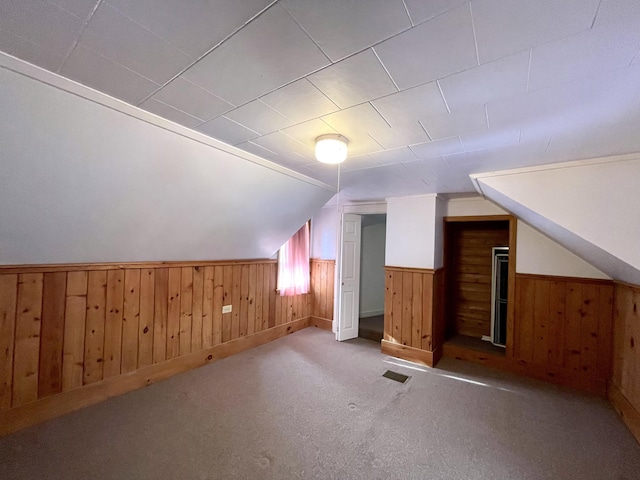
(306, 406)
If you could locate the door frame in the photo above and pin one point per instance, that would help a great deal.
(356, 209)
(511, 293)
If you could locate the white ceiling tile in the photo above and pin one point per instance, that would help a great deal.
(625, 13)
(170, 113)
(504, 26)
(456, 123)
(427, 169)
(362, 143)
(359, 162)
(494, 138)
(322, 172)
(307, 132)
(358, 119)
(286, 147)
(300, 101)
(399, 135)
(477, 86)
(438, 148)
(259, 117)
(41, 23)
(194, 26)
(411, 105)
(354, 80)
(122, 40)
(226, 130)
(393, 156)
(257, 150)
(29, 51)
(79, 8)
(417, 56)
(421, 11)
(192, 99)
(266, 54)
(341, 28)
(98, 72)
(593, 51)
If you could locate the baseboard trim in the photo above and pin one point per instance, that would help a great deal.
(629, 415)
(56, 405)
(411, 354)
(322, 323)
(557, 375)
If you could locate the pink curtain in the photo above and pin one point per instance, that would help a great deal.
(293, 264)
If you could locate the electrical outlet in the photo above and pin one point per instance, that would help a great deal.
(227, 308)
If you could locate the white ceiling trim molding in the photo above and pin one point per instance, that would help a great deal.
(54, 80)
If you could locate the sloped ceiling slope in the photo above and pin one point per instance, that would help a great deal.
(87, 178)
(427, 91)
(590, 207)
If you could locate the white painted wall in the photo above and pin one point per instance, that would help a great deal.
(372, 268)
(472, 206)
(411, 231)
(538, 254)
(86, 178)
(591, 207)
(535, 252)
(324, 231)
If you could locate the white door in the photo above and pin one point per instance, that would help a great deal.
(349, 277)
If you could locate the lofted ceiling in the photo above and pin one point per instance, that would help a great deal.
(428, 92)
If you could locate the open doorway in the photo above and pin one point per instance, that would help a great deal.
(373, 242)
(478, 264)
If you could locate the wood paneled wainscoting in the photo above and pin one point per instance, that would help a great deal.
(562, 332)
(74, 335)
(322, 288)
(413, 310)
(624, 389)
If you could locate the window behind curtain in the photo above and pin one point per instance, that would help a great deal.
(293, 264)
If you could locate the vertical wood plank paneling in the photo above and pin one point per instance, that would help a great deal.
(526, 320)
(52, 334)
(243, 318)
(8, 299)
(388, 305)
(146, 323)
(235, 301)
(207, 308)
(227, 318)
(589, 328)
(621, 312)
(323, 290)
(161, 309)
(397, 307)
(186, 304)
(427, 338)
(407, 300)
(197, 308)
(94, 335)
(573, 325)
(557, 296)
(130, 320)
(27, 338)
(266, 275)
(278, 310)
(331, 279)
(272, 295)
(113, 324)
(259, 300)
(541, 322)
(315, 286)
(173, 313)
(218, 302)
(629, 358)
(605, 329)
(416, 311)
(74, 330)
(251, 300)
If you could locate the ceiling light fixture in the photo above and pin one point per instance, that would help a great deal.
(331, 148)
